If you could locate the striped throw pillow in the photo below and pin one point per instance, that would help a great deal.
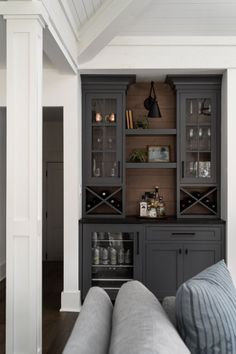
(206, 312)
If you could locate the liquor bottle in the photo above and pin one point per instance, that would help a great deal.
(96, 255)
(143, 207)
(113, 256)
(121, 256)
(152, 211)
(128, 257)
(156, 196)
(105, 256)
(161, 208)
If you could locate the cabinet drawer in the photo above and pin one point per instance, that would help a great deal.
(183, 233)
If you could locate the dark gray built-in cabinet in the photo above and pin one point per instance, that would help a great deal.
(162, 254)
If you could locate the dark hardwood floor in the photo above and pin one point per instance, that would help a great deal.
(56, 325)
(2, 315)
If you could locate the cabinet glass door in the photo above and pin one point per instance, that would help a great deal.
(105, 123)
(112, 255)
(198, 144)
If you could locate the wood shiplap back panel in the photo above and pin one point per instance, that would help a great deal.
(138, 92)
(140, 180)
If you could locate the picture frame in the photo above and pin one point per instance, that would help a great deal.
(158, 153)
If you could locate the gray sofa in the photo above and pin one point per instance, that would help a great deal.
(137, 324)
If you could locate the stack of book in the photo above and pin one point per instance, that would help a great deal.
(129, 119)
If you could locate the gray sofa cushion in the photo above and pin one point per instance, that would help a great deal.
(141, 326)
(168, 305)
(91, 333)
(206, 311)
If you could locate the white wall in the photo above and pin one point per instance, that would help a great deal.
(2, 193)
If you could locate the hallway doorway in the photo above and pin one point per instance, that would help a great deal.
(53, 184)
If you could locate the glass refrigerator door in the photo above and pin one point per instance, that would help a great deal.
(112, 259)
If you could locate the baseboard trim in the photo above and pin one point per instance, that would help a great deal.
(2, 271)
(70, 301)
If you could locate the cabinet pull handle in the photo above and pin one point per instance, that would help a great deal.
(118, 163)
(137, 251)
(186, 251)
(182, 169)
(180, 250)
(183, 234)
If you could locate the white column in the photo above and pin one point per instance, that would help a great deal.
(24, 185)
(228, 171)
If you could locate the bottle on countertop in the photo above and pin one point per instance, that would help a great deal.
(161, 208)
(143, 207)
(152, 211)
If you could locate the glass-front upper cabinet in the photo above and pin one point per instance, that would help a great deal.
(198, 138)
(104, 138)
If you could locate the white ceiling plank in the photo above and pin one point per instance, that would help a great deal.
(96, 4)
(74, 13)
(80, 9)
(88, 5)
(71, 19)
(101, 28)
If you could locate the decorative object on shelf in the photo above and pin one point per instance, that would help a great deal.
(98, 117)
(158, 153)
(142, 124)
(205, 169)
(111, 117)
(138, 155)
(151, 104)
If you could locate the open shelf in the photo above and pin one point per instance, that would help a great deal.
(138, 132)
(151, 164)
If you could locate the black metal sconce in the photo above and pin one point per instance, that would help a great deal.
(151, 104)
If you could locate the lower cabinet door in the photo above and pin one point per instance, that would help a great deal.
(197, 257)
(163, 268)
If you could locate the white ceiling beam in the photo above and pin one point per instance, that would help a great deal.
(105, 24)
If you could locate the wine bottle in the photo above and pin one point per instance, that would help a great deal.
(196, 194)
(89, 205)
(104, 194)
(182, 205)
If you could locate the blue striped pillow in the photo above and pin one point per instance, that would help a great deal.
(206, 311)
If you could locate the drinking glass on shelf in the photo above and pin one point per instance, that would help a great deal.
(110, 143)
(191, 133)
(99, 142)
(96, 170)
(209, 138)
(113, 169)
(200, 135)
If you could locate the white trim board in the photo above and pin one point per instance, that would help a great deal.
(70, 301)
